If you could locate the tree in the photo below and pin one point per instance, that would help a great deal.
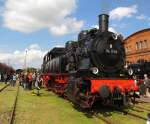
(5, 69)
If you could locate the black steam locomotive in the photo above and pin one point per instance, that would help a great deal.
(89, 69)
(98, 51)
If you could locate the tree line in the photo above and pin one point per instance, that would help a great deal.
(6, 69)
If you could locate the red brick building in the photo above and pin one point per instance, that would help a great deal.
(137, 46)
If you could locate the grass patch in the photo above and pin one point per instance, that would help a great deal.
(49, 108)
(7, 98)
(2, 85)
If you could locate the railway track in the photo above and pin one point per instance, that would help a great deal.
(143, 108)
(125, 113)
(107, 121)
(132, 114)
(135, 115)
(11, 121)
(141, 101)
(4, 87)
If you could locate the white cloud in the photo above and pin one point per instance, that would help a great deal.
(148, 21)
(33, 15)
(17, 58)
(141, 17)
(112, 29)
(123, 12)
(34, 46)
(69, 25)
(144, 18)
(95, 26)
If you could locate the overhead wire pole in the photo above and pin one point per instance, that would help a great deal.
(25, 61)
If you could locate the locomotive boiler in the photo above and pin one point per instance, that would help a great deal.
(90, 69)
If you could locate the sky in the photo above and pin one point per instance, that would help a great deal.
(37, 26)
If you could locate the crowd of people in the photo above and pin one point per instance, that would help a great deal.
(27, 80)
(9, 78)
(30, 80)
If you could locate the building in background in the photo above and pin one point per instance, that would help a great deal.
(137, 47)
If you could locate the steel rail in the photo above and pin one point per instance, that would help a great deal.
(142, 101)
(132, 114)
(4, 87)
(104, 119)
(143, 108)
(11, 121)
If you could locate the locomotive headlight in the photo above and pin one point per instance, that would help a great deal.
(115, 36)
(94, 70)
(130, 71)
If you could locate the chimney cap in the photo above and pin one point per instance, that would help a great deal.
(104, 15)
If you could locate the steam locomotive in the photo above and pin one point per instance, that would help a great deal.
(90, 69)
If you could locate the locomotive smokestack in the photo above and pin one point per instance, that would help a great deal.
(103, 22)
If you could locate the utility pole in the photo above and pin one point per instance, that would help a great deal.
(25, 60)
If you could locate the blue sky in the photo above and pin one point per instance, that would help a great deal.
(27, 24)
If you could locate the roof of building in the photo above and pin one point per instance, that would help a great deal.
(136, 33)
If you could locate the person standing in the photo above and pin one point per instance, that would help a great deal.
(20, 79)
(11, 79)
(37, 84)
(5, 78)
(8, 78)
(1, 78)
(25, 81)
(41, 82)
(30, 80)
(34, 76)
(147, 84)
(142, 89)
(14, 80)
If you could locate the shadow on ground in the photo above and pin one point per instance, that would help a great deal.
(97, 108)
(105, 111)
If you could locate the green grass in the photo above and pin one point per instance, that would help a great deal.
(120, 118)
(51, 109)
(6, 102)
(2, 85)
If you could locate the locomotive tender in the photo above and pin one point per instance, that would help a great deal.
(90, 69)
